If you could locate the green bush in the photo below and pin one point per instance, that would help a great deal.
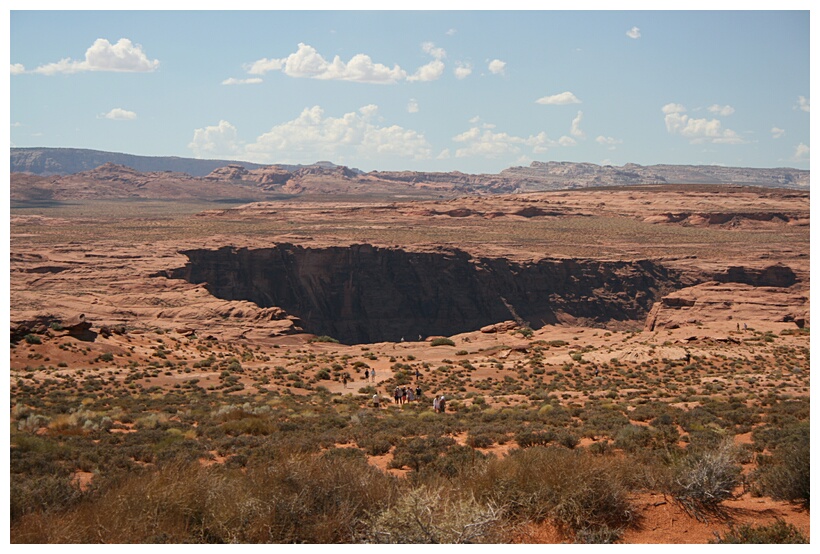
(786, 474)
(442, 341)
(778, 532)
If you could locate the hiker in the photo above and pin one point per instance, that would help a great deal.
(344, 380)
(409, 394)
(376, 400)
(418, 374)
(396, 395)
(418, 393)
(403, 395)
(435, 404)
(442, 404)
(366, 374)
(373, 375)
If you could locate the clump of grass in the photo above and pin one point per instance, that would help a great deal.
(778, 532)
(442, 341)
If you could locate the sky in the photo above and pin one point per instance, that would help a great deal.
(422, 90)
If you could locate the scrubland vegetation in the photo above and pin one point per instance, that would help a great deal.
(234, 464)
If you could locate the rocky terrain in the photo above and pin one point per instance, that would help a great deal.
(86, 169)
(204, 326)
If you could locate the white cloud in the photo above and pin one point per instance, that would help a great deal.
(697, 130)
(634, 32)
(428, 72)
(803, 103)
(485, 142)
(575, 128)
(16, 124)
(306, 62)
(312, 136)
(450, 32)
(433, 50)
(609, 142)
(124, 56)
(559, 99)
(462, 70)
(444, 154)
(260, 67)
(801, 153)
(497, 67)
(778, 132)
(413, 106)
(218, 140)
(250, 81)
(721, 110)
(17, 69)
(120, 114)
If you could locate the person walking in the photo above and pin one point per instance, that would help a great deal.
(442, 404)
(435, 404)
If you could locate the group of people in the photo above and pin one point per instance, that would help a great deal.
(370, 374)
(439, 404)
(406, 394)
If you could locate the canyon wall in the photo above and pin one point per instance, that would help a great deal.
(362, 294)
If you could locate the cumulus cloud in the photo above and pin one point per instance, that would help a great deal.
(215, 141)
(559, 99)
(433, 50)
(721, 110)
(634, 33)
(120, 114)
(413, 106)
(249, 81)
(803, 103)
(462, 70)
(306, 62)
(575, 128)
(124, 56)
(313, 135)
(609, 142)
(497, 67)
(778, 132)
(428, 72)
(801, 153)
(484, 141)
(697, 130)
(17, 69)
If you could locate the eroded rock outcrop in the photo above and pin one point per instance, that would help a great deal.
(362, 293)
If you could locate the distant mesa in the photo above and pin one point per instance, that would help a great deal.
(57, 174)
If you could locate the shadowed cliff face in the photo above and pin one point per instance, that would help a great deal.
(362, 294)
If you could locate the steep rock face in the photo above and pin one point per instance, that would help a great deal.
(366, 294)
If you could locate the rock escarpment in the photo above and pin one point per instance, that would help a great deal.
(362, 293)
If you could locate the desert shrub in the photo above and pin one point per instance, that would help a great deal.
(427, 515)
(705, 478)
(417, 452)
(252, 425)
(32, 339)
(299, 498)
(376, 444)
(457, 461)
(325, 338)
(527, 437)
(633, 437)
(778, 532)
(442, 341)
(580, 492)
(786, 474)
(480, 440)
(42, 493)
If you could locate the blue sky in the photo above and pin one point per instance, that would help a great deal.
(473, 91)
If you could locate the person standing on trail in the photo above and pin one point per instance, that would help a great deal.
(442, 404)
(435, 404)
(373, 375)
(418, 393)
(366, 374)
(396, 395)
(344, 380)
(376, 400)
